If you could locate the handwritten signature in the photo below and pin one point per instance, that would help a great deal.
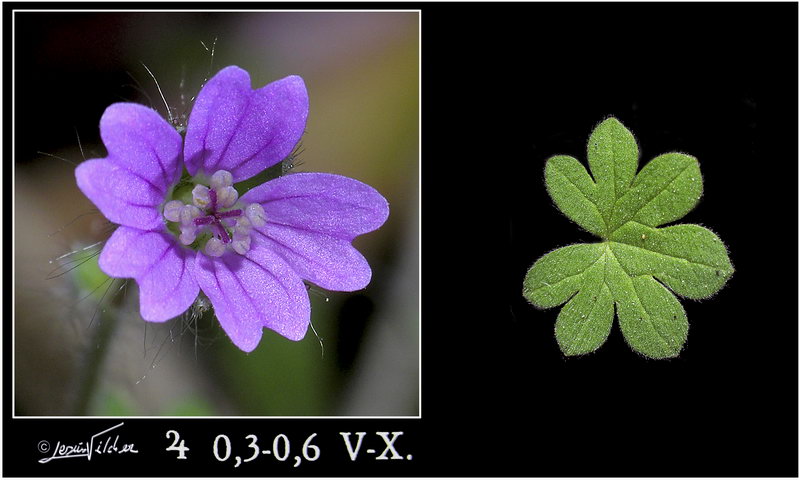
(99, 444)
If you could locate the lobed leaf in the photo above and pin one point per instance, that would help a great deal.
(691, 260)
(613, 157)
(651, 318)
(556, 277)
(665, 190)
(573, 191)
(637, 264)
(585, 322)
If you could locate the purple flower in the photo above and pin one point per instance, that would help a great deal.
(248, 254)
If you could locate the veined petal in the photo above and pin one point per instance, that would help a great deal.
(139, 140)
(311, 220)
(253, 291)
(321, 202)
(162, 268)
(121, 195)
(330, 262)
(243, 131)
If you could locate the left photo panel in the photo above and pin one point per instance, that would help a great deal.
(216, 214)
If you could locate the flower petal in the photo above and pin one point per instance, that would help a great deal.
(139, 140)
(321, 202)
(244, 131)
(330, 262)
(253, 291)
(163, 269)
(121, 195)
(311, 220)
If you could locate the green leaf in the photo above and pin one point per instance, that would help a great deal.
(573, 190)
(665, 190)
(559, 274)
(637, 268)
(613, 156)
(585, 322)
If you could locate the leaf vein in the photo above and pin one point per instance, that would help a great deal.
(691, 262)
(647, 202)
(544, 284)
(585, 195)
(649, 316)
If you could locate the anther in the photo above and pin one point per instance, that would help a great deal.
(189, 213)
(214, 247)
(188, 234)
(201, 196)
(240, 243)
(172, 210)
(221, 179)
(255, 213)
(243, 226)
(226, 196)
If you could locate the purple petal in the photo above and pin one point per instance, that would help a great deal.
(139, 140)
(121, 195)
(163, 269)
(311, 220)
(253, 291)
(330, 262)
(143, 162)
(321, 202)
(241, 130)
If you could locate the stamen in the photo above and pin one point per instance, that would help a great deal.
(189, 213)
(243, 226)
(214, 247)
(255, 213)
(188, 234)
(172, 210)
(230, 227)
(201, 196)
(241, 243)
(221, 179)
(227, 196)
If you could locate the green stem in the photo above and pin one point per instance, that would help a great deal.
(93, 361)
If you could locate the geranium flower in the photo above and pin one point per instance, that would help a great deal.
(250, 254)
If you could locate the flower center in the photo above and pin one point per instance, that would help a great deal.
(215, 217)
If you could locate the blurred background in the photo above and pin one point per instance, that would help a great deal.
(362, 74)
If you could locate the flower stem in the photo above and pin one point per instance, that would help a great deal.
(93, 360)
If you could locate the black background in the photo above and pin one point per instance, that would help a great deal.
(504, 88)
(509, 87)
